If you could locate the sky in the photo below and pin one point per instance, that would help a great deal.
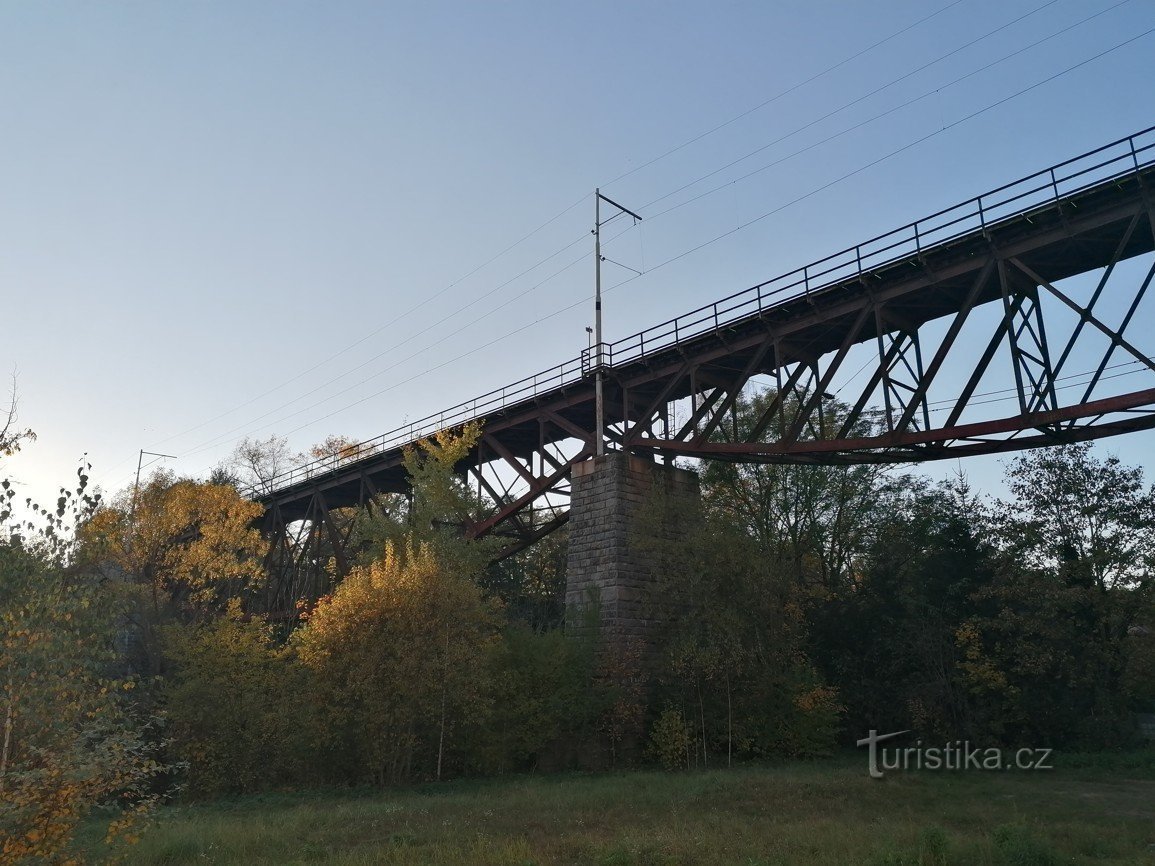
(221, 220)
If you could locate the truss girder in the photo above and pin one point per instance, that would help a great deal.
(916, 319)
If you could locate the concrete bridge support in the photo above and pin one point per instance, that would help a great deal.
(606, 566)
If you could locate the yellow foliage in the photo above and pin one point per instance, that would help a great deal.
(180, 535)
(69, 743)
(399, 653)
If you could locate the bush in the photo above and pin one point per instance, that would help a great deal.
(670, 740)
(399, 657)
(235, 701)
(544, 702)
(74, 746)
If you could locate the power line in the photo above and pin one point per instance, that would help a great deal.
(420, 333)
(877, 90)
(783, 93)
(860, 99)
(861, 123)
(420, 304)
(493, 311)
(892, 154)
(525, 237)
(723, 235)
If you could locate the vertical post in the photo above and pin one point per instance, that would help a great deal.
(136, 483)
(599, 399)
(135, 489)
(599, 377)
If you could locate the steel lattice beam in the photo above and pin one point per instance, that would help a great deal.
(941, 308)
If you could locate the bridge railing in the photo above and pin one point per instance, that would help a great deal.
(1017, 199)
(1020, 198)
(524, 389)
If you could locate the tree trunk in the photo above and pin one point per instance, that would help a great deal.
(444, 678)
(729, 724)
(7, 731)
(702, 722)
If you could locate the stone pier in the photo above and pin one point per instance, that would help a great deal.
(604, 565)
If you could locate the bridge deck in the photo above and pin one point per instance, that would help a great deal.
(1061, 222)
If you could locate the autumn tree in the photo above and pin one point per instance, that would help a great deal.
(398, 653)
(189, 543)
(74, 746)
(184, 546)
(340, 448)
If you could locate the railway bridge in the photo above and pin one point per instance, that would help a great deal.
(1012, 320)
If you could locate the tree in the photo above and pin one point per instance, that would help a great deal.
(1090, 518)
(890, 645)
(339, 448)
(185, 547)
(545, 702)
(74, 745)
(1048, 654)
(256, 462)
(815, 518)
(731, 634)
(234, 701)
(11, 436)
(398, 653)
(190, 543)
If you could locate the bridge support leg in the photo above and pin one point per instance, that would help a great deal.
(606, 568)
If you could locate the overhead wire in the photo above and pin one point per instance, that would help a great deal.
(505, 250)
(687, 252)
(796, 131)
(553, 219)
(877, 91)
(493, 311)
(425, 301)
(672, 259)
(892, 154)
(783, 93)
(860, 124)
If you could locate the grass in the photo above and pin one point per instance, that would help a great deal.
(800, 813)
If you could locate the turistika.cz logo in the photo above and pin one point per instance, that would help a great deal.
(957, 755)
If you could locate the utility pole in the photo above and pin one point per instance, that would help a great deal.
(136, 484)
(599, 398)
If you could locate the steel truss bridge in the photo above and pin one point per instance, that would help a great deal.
(1035, 288)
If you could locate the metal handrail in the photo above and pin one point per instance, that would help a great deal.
(1031, 193)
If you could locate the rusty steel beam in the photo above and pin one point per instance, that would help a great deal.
(810, 448)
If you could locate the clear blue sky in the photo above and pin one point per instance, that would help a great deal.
(210, 210)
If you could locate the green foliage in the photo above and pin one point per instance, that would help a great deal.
(890, 645)
(239, 715)
(1018, 846)
(1048, 648)
(815, 520)
(670, 740)
(545, 702)
(531, 583)
(732, 639)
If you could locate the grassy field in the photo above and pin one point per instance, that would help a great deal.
(800, 813)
